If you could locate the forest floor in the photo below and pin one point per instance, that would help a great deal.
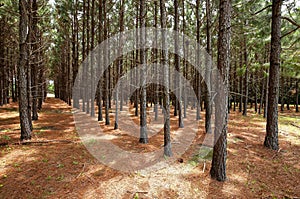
(67, 170)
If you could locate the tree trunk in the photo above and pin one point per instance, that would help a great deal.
(208, 70)
(177, 66)
(198, 79)
(262, 94)
(92, 60)
(143, 101)
(105, 57)
(218, 167)
(246, 77)
(23, 65)
(156, 57)
(266, 95)
(120, 61)
(167, 136)
(271, 139)
(100, 38)
(297, 95)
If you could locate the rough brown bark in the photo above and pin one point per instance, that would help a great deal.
(177, 67)
(198, 79)
(120, 61)
(218, 167)
(271, 139)
(34, 40)
(22, 72)
(143, 101)
(167, 136)
(208, 69)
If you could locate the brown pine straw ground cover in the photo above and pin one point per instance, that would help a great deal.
(65, 169)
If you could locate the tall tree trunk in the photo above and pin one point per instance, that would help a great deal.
(177, 66)
(241, 87)
(120, 60)
(92, 60)
(105, 55)
(266, 94)
(75, 52)
(23, 65)
(271, 139)
(262, 94)
(83, 81)
(208, 69)
(246, 77)
(143, 102)
(185, 63)
(297, 95)
(218, 167)
(100, 39)
(156, 57)
(198, 79)
(88, 65)
(167, 136)
(35, 60)
(137, 93)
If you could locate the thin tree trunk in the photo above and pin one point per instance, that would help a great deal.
(92, 60)
(105, 57)
(177, 66)
(266, 95)
(246, 77)
(143, 102)
(35, 60)
(208, 70)
(262, 94)
(297, 95)
(167, 136)
(198, 79)
(120, 61)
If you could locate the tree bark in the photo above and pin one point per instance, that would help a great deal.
(208, 69)
(177, 66)
(297, 95)
(22, 72)
(218, 167)
(271, 139)
(143, 102)
(167, 136)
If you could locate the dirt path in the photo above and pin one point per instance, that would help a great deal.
(67, 170)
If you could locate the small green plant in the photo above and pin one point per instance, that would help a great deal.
(60, 178)
(136, 196)
(4, 176)
(49, 178)
(75, 162)
(39, 132)
(60, 165)
(44, 160)
(16, 165)
(286, 168)
(6, 137)
(5, 130)
(1, 185)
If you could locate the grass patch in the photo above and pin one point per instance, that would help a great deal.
(204, 154)
(6, 137)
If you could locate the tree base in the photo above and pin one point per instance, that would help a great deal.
(271, 143)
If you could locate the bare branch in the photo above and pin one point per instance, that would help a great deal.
(262, 9)
(286, 34)
(291, 21)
